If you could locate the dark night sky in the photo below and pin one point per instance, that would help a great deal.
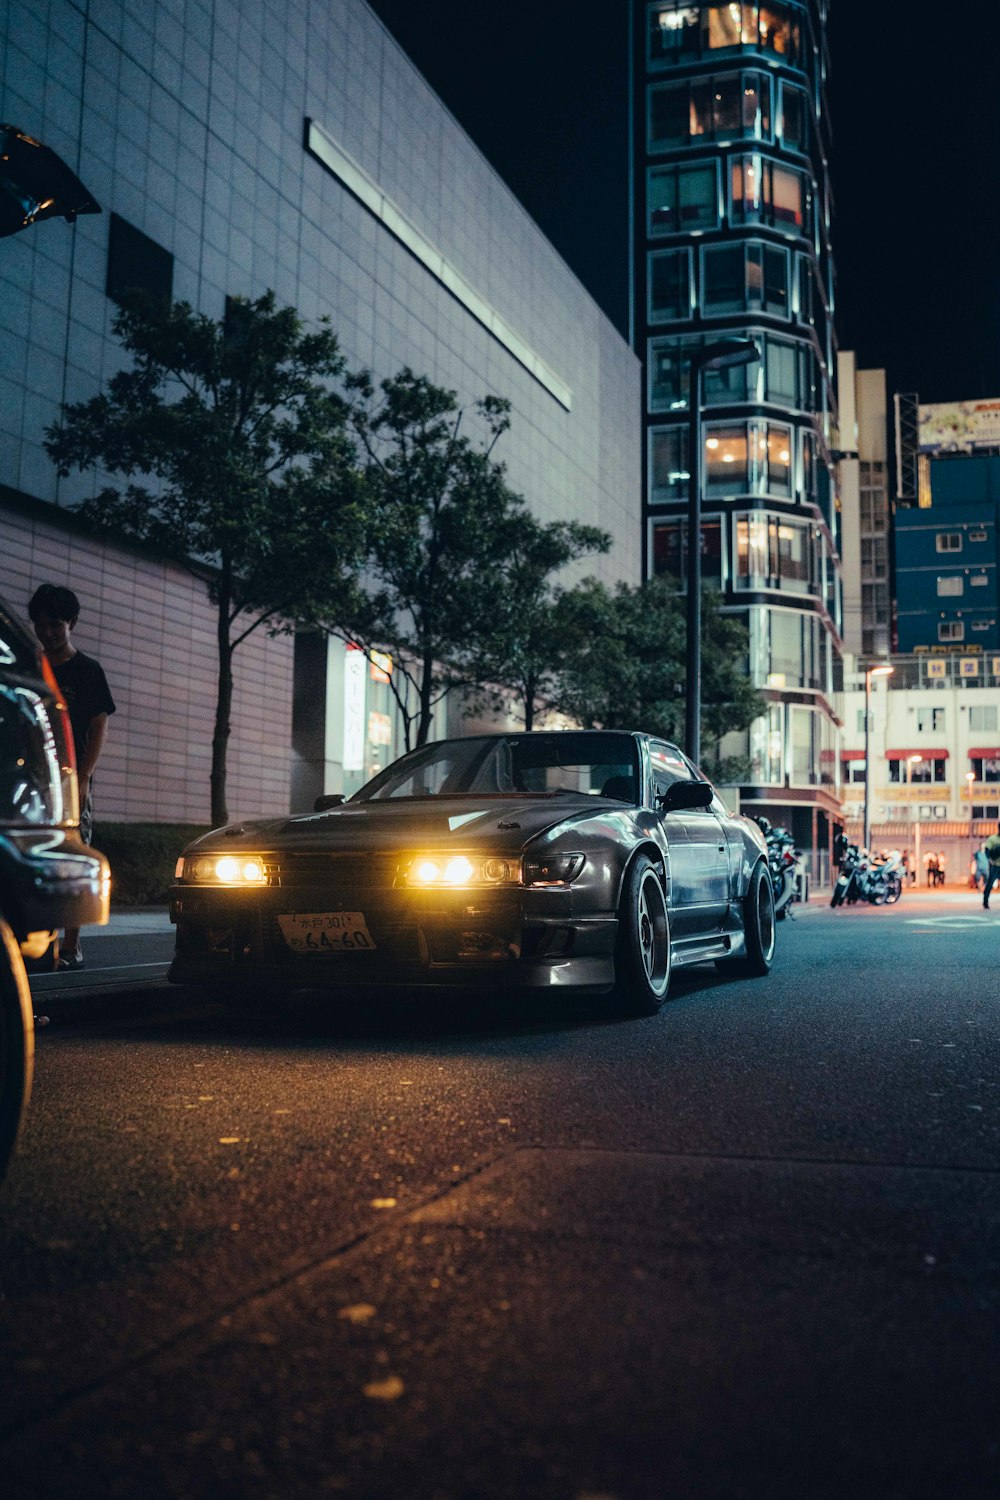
(541, 87)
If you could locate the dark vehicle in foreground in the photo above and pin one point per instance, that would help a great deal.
(48, 877)
(555, 860)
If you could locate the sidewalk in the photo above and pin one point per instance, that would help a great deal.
(132, 922)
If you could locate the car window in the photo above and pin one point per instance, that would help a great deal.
(437, 770)
(668, 765)
(542, 763)
(596, 765)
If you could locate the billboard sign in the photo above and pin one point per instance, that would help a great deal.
(959, 426)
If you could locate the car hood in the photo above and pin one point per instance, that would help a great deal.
(503, 824)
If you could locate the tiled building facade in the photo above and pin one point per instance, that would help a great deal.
(287, 144)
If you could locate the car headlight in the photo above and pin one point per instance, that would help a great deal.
(553, 869)
(442, 871)
(222, 869)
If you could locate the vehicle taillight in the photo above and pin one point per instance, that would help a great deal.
(62, 731)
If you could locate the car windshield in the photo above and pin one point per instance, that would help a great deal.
(579, 762)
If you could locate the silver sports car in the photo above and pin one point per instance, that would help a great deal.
(578, 860)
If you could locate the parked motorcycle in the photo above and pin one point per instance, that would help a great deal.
(785, 864)
(863, 877)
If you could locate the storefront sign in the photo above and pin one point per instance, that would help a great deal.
(354, 709)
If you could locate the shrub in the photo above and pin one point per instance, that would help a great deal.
(142, 858)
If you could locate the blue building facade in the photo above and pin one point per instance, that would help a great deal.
(946, 558)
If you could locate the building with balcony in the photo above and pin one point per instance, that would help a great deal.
(731, 239)
(237, 147)
(934, 742)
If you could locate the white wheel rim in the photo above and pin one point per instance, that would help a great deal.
(651, 923)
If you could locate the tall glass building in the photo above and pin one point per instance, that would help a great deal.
(731, 238)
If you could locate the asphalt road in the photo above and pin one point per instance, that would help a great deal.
(748, 1248)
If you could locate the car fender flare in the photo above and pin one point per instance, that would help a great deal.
(656, 857)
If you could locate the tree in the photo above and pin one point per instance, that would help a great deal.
(625, 662)
(443, 525)
(522, 647)
(256, 486)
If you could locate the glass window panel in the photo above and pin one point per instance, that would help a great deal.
(781, 368)
(745, 179)
(793, 556)
(725, 460)
(723, 279)
(700, 108)
(725, 26)
(808, 465)
(775, 281)
(674, 33)
(767, 746)
(720, 387)
(667, 375)
(668, 116)
(682, 198)
(696, 197)
(779, 459)
(756, 105)
(662, 200)
(949, 587)
(669, 289)
(726, 112)
(668, 463)
(779, 31)
(668, 549)
(787, 197)
(793, 118)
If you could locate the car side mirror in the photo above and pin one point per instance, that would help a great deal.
(685, 794)
(331, 799)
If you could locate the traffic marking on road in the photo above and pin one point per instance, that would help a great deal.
(954, 924)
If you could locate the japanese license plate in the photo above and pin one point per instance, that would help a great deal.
(326, 932)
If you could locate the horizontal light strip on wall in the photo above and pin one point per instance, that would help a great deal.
(336, 160)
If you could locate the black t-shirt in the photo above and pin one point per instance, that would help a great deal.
(85, 688)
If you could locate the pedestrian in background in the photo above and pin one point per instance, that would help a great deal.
(980, 868)
(54, 612)
(992, 847)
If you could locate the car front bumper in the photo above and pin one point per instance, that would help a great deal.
(50, 879)
(494, 939)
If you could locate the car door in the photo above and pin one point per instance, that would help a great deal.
(699, 855)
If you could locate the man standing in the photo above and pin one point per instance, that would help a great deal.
(54, 612)
(992, 847)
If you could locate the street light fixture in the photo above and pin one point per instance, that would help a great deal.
(722, 355)
(882, 671)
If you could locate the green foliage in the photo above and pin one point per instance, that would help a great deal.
(624, 663)
(142, 858)
(521, 648)
(237, 461)
(443, 526)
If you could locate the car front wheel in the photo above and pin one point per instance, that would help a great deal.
(642, 956)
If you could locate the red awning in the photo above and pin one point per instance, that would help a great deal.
(923, 754)
(989, 754)
(852, 755)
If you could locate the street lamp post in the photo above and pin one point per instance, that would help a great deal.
(717, 356)
(883, 671)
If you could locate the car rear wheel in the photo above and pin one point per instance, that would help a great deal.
(17, 1042)
(758, 929)
(642, 955)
